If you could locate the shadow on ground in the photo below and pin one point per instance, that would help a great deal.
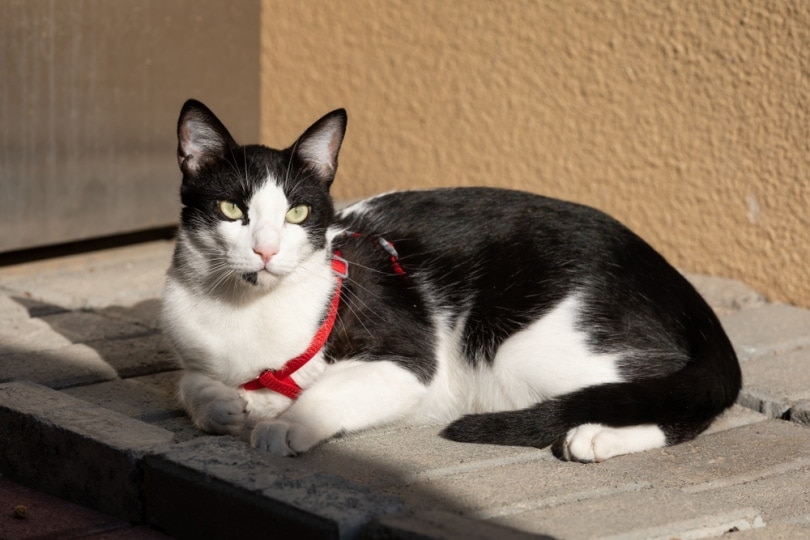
(116, 358)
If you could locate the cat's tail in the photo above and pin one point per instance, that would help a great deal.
(686, 401)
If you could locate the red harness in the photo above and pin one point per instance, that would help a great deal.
(281, 380)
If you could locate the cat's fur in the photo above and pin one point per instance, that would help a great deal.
(523, 320)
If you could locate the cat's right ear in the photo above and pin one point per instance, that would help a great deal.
(320, 144)
(201, 137)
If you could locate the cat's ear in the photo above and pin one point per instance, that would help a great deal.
(201, 137)
(318, 147)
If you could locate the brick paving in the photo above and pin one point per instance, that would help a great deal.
(88, 414)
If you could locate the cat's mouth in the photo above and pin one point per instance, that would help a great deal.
(251, 277)
(264, 276)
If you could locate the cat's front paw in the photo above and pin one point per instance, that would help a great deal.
(282, 439)
(221, 413)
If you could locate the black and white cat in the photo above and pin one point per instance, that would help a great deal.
(521, 319)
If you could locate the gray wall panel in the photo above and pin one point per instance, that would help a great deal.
(90, 91)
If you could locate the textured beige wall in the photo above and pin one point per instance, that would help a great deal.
(686, 120)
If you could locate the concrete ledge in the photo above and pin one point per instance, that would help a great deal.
(219, 487)
(434, 524)
(73, 449)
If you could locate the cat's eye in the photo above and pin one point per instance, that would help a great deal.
(230, 210)
(297, 214)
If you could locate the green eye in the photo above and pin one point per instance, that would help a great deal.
(230, 210)
(297, 214)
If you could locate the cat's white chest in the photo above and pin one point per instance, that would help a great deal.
(233, 343)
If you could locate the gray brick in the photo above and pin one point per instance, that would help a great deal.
(736, 416)
(181, 426)
(30, 335)
(771, 329)
(22, 307)
(726, 295)
(774, 384)
(146, 313)
(63, 367)
(781, 530)
(89, 363)
(258, 493)
(149, 399)
(668, 513)
(401, 456)
(800, 413)
(653, 514)
(433, 524)
(709, 463)
(86, 327)
(137, 356)
(770, 405)
(73, 449)
(396, 456)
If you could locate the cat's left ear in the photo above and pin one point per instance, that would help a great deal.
(318, 147)
(201, 137)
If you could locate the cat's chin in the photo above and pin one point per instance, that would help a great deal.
(262, 279)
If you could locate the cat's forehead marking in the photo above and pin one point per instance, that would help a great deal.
(267, 201)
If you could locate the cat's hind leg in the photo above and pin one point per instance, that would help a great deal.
(589, 443)
(349, 396)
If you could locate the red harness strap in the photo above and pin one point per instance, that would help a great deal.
(281, 380)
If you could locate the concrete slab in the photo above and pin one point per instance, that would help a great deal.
(445, 525)
(800, 413)
(665, 513)
(30, 335)
(88, 363)
(145, 313)
(736, 416)
(82, 323)
(190, 486)
(726, 295)
(137, 356)
(63, 367)
(767, 330)
(149, 398)
(113, 277)
(75, 450)
(774, 385)
(715, 462)
(399, 456)
(87, 327)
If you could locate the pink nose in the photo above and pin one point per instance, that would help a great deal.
(265, 253)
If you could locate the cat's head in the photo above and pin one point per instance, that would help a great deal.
(251, 214)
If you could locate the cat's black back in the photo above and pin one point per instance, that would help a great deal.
(499, 260)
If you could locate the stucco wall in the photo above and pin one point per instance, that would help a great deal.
(686, 120)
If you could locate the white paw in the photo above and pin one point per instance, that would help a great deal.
(283, 439)
(221, 412)
(591, 443)
(272, 437)
(265, 404)
(579, 443)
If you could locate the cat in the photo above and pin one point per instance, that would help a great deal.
(516, 318)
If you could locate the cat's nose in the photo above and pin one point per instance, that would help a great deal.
(266, 253)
